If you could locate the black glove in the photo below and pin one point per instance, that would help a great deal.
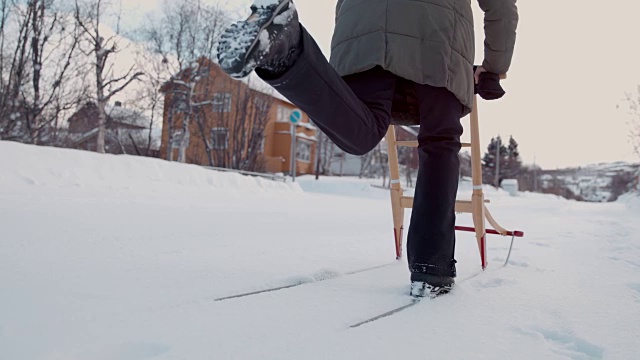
(488, 86)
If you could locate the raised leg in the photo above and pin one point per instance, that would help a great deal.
(354, 111)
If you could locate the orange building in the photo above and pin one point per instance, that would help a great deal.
(239, 124)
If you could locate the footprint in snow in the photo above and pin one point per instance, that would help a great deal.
(565, 343)
(493, 283)
(633, 263)
(28, 180)
(317, 276)
(512, 262)
(636, 289)
(125, 351)
(541, 244)
(325, 275)
(518, 263)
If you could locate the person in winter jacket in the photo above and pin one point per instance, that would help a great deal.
(379, 49)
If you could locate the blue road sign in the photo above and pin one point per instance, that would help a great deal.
(296, 116)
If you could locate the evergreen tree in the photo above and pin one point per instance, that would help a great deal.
(513, 165)
(489, 161)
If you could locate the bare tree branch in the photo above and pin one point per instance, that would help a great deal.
(633, 102)
(32, 92)
(133, 78)
(119, 79)
(103, 49)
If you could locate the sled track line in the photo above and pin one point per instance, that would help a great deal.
(258, 292)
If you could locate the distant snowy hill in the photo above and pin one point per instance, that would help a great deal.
(596, 182)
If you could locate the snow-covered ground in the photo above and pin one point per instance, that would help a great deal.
(116, 257)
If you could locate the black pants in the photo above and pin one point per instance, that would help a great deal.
(355, 112)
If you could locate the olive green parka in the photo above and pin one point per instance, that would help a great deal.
(425, 41)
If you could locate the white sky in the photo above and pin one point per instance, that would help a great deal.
(573, 64)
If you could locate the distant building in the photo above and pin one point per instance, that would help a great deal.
(127, 130)
(351, 165)
(510, 185)
(593, 183)
(235, 125)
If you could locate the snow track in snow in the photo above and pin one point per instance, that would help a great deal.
(117, 257)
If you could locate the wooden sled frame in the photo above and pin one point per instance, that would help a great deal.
(476, 206)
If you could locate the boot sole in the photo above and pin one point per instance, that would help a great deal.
(429, 292)
(239, 43)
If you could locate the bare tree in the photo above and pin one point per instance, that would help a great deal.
(327, 150)
(405, 159)
(149, 99)
(186, 103)
(38, 82)
(237, 122)
(90, 15)
(185, 33)
(15, 34)
(633, 101)
(251, 117)
(229, 118)
(318, 152)
(365, 164)
(382, 159)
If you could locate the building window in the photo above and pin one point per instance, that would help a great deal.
(222, 102)
(283, 114)
(303, 150)
(219, 138)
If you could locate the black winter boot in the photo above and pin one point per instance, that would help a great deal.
(429, 285)
(269, 39)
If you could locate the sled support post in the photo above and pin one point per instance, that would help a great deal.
(476, 206)
(396, 193)
(477, 197)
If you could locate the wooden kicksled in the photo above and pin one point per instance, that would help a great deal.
(475, 206)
